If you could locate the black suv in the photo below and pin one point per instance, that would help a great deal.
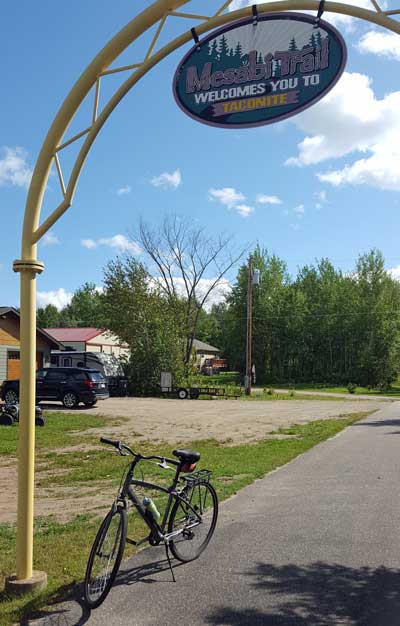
(71, 385)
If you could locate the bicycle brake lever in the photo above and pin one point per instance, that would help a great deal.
(164, 465)
(120, 451)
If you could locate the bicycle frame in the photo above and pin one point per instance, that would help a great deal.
(157, 531)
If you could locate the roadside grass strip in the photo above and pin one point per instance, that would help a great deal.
(61, 430)
(393, 391)
(61, 549)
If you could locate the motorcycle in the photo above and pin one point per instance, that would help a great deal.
(9, 414)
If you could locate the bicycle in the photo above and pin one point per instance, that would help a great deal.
(185, 528)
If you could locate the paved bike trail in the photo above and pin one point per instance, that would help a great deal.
(315, 543)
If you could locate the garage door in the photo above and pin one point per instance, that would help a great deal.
(14, 364)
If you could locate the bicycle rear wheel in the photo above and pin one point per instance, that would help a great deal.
(197, 528)
(105, 557)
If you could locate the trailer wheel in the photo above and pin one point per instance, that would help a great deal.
(194, 394)
(182, 393)
(39, 420)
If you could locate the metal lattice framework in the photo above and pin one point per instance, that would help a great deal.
(155, 16)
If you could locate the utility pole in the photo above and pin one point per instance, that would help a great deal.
(249, 325)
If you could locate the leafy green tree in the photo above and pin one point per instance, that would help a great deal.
(85, 308)
(139, 313)
(48, 316)
(323, 326)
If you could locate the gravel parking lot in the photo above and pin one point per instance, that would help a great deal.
(172, 421)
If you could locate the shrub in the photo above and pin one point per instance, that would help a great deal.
(351, 387)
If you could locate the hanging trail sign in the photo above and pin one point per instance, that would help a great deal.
(255, 72)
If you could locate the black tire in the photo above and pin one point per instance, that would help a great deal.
(11, 397)
(91, 403)
(6, 419)
(193, 541)
(194, 393)
(111, 536)
(182, 393)
(39, 421)
(70, 400)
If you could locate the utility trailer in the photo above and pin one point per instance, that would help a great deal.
(167, 389)
(192, 392)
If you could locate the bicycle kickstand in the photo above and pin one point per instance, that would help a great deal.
(169, 561)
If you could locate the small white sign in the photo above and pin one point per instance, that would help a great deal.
(166, 381)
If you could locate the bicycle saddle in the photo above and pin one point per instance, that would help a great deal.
(187, 456)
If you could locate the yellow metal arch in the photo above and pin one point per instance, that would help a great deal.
(29, 266)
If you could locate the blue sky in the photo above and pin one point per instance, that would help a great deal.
(325, 183)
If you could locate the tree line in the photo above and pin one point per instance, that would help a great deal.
(321, 325)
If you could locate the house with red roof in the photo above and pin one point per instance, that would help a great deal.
(88, 340)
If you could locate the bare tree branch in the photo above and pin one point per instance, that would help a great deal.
(185, 258)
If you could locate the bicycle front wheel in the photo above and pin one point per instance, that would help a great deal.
(195, 517)
(105, 557)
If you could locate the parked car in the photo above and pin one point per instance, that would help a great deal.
(71, 385)
(107, 364)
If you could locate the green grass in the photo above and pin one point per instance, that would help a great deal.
(222, 379)
(62, 549)
(258, 395)
(393, 391)
(61, 429)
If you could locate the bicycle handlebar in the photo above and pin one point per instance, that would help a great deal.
(121, 446)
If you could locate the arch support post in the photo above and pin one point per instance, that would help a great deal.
(26, 579)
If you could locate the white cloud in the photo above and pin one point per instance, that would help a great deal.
(344, 21)
(59, 298)
(50, 239)
(263, 199)
(381, 170)
(122, 191)
(394, 272)
(227, 196)
(299, 210)
(88, 243)
(167, 180)
(121, 243)
(351, 119)
(381, 43)
(244, 210)
(14, 169)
